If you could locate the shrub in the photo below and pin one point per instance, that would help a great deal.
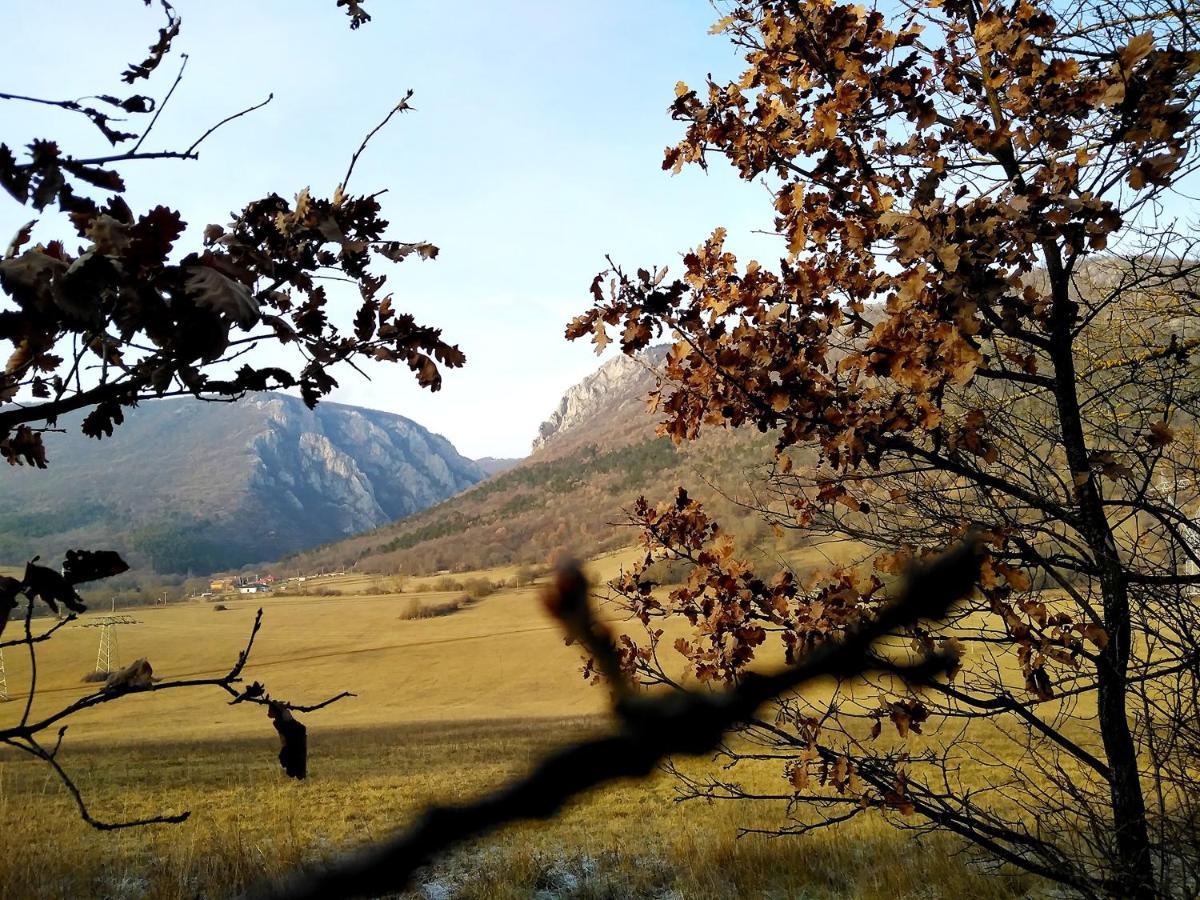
(479, 587)
(415, 609)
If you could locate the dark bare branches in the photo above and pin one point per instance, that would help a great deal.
(25, 735)
(32, 747)
(190, 152)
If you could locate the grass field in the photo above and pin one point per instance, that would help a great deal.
(446, 708)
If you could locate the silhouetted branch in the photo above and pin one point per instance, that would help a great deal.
(183, 61)
(314, 707)
(226, 682)
(24, 735)
(191, 151)
(256, 693)
(402, 106)
(44, 636)
(34, 749)
(649, 729)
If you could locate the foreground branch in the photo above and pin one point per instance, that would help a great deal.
(649, 730)
(24, 736)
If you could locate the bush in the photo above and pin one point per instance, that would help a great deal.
(479, 587)
(317, 592)
(220, 607)
(415, 609)
(669, 571)
(94, 676)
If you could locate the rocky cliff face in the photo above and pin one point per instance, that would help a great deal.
(350, 469)
(205, 486)
(612, 396)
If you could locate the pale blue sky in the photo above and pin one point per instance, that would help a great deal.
(535, 150)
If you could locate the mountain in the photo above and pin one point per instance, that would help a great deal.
(188, 486)
(596, 452)
(606, 408)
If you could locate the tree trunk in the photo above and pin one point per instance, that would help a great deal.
(1134, 864)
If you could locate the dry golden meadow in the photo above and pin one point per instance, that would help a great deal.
(446, 708)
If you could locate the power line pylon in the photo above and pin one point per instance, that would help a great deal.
(107, 655)
(3, 679)
(108, 658)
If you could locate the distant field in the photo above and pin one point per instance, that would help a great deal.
(470, 665)
(446, 707)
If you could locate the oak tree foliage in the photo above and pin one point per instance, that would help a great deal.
(119, 308)
(983, 317)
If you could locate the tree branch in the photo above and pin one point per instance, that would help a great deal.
(649, 729)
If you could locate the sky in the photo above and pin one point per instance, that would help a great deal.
(535, 150)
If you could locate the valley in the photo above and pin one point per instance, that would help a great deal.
(588, 451)
(446, 708)
(592, 457)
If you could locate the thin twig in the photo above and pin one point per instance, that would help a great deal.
(402, 106)
(190, 151)
(44, 636)
(264, 700)
(34, 749)
(158, 112)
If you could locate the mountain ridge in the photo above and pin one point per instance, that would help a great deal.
(597, 451)
(186, 486)
(607, 405)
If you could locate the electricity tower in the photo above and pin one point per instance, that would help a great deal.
(3, 679)
(108, 657)
(1190, 530)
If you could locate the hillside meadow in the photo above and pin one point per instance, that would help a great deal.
(446, 707)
